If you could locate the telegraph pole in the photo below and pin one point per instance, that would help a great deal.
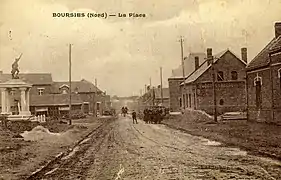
(214, 93)
(161, 86)
(183, 72)
(153, 96)
(70, 84)
(145, 88)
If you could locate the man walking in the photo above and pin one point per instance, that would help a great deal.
(134, 116)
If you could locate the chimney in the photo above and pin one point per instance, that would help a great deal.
(196, 62)
(244, 54)
(209, 56)
(277, 29)
(96, 82)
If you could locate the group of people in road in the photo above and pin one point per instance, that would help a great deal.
(124, 111)
(151, 115)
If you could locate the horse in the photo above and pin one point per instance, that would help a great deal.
(124, 111)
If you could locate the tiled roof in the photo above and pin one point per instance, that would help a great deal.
(149, 94)
(204, 67)
(32, 78)
(54, 99)
(80, 86)
(262, 59)
(196, 74)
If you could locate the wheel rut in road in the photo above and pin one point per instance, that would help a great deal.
(123, 150)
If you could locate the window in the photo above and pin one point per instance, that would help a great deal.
(180, 103)
(40, 91)
(183, 98)
(279, 76)
(220, 76)
(258, 94)
(76, 90)
(12, 92)
(258, 84)
(186, 100)
(194, 99)
(64, 91)
(189, 99)
(221, 102)
(234, 75)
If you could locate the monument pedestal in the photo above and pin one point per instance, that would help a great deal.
(6, 87)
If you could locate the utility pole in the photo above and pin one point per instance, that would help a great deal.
(153, 96)
(70, 84)
(183, 72)
(161, 86)
(214, 93)
(145, 88)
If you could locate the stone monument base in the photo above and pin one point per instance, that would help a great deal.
(6, 99)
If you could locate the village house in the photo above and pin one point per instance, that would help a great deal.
(52, 98)
(264, 82)
(229, 83)
(153, 95)
(190, 62)
(89, 94)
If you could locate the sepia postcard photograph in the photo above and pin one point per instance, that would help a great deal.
(140, 89)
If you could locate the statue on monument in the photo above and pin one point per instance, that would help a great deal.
(15, 68)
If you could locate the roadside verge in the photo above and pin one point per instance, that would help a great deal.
(256, 138)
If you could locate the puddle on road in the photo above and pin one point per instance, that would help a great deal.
(211, 143)
(227, 151)
(235, 152)
(84, 141)
(207, 142)
(71, 153)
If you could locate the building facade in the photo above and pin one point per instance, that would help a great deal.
(153, 97)
(223, 75)
(175, 94)
(52, 98)
(264, 82)
(190, 63)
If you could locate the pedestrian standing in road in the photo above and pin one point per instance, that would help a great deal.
(134, 116)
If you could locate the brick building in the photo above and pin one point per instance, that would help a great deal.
(52, 98)
(175, 93)
(154, 94)
(264, 82)
(229, 84)
(190, 62)
(87, 92)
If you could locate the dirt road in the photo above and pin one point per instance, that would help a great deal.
(122, 150)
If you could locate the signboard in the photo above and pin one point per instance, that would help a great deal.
(41, 109)
(63, 108)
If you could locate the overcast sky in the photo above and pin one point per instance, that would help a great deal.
(124, 53)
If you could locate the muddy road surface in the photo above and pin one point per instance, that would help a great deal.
(120, 149)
